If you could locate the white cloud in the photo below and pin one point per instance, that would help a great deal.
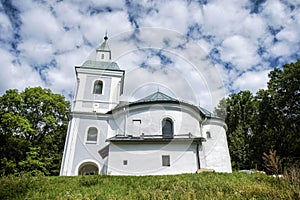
(276, 13)
(36, 52)
(253, 27)
(15, 76)
(281, 49)
(252, 81)
(174, 15)
(240, 51)
(289, 34)
(5, 28)
(40, 24)
(223, 18)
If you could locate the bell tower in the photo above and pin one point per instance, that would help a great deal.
(99, 82)
(98, 88)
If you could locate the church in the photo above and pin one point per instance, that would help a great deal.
(155, 135)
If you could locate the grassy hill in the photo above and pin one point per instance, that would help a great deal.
(186, 186)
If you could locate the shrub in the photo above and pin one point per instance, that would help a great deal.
(273, 163)
(88, 181)
(292, 176)
(16, 186)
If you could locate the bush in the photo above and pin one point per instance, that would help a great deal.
(16, 186)
(273, 163)
(87, 181)
(292, 176)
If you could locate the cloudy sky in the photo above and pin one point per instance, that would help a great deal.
(197, 51)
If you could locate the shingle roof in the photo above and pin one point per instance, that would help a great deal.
(157, 96)
(101, 65)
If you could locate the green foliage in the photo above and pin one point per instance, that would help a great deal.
(186, 186)
(33, 162)
(268, 119)
(16, 186)
(33, 126)
(240, 111)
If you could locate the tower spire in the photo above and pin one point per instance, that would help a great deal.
(103, 52)
(105, 37)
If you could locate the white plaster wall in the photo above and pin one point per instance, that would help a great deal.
(215, 152)
(69, 148)
(115, 92)
(146, 159)
(151, 120)
(89, 151)
(85, 99)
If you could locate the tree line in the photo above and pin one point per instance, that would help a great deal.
(269, 119)
(33, 125)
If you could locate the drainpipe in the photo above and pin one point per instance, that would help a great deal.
(197, 156)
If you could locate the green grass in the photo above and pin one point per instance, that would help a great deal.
(186, 186)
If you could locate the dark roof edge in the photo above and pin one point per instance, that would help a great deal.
(117, 70)
(132, 139)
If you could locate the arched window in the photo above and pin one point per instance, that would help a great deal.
(92, 135)
(88, 168)
(167, 128)
(98, 87)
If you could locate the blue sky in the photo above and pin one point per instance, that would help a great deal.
(197, 51)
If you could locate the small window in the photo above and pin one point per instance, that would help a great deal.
(92, 135)
(208, 135)
(125, 162)
(102, 56)
(166, 160)
(136, 121)
(98, 87)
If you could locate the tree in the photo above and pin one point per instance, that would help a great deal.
(34, 120)
(280, 112)
(270, 119)
(240, 111)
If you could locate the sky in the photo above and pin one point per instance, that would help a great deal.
(196, 51)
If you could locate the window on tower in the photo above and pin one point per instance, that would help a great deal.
(92, 135)
(98, 87)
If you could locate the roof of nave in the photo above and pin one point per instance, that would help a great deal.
(159, 97)
(101, 65)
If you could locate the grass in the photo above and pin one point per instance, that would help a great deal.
(185, 186)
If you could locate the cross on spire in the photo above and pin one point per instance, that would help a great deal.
(105, 37)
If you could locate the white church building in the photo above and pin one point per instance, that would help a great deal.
(155, 135)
